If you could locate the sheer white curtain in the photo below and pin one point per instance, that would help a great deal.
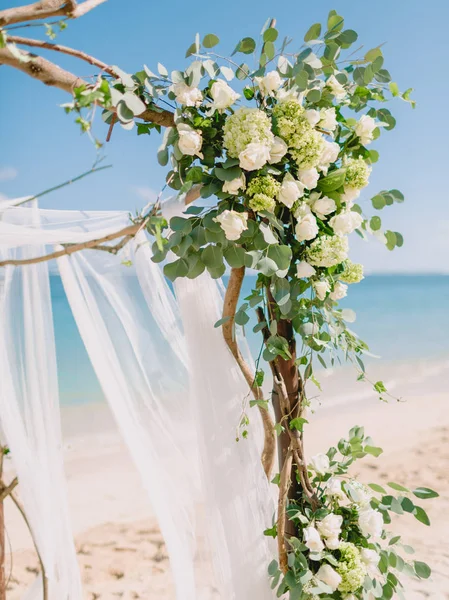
(176, 395)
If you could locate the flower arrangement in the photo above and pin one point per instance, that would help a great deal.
(285, 153)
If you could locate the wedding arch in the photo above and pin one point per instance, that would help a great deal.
(273, 166)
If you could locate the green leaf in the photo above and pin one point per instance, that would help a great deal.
(162, 156)
(124, 113)
(180, 224)
(407, 505)
(391, 239)
(373, 450)
(178, 268)
(298, 423)
(377, 488)
(349, 36)
(227, 174)
(397, 487)
(375, 223)
(313, 33)
(394, 540)
(212, 256)
(422, 569)
(281, 255)
(247, 45)
(134, 103)
(333, 181)
(421, 515)
(378, 202)
(425, 493)
(270, 35)
(235, 256)
(372, 54)
(210, 40)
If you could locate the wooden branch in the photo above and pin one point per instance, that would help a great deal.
(5, 490)
(2, 536)
(284, 485)
(21, 510)
(46, 9)
(23, 41)
(229, 310)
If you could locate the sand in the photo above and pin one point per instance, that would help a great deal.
(120, 549)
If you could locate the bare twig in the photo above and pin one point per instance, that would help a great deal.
(6, 490)
(284, 484)
(46, 9)
(21, 510)
(229, 310)
(23, 41)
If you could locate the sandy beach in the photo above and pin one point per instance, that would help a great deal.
(120, 549)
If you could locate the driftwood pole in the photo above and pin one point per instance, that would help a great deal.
(2, 535)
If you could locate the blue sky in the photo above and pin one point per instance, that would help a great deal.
(42, 147)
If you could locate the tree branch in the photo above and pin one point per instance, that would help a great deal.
(5, 490)
(23, 41)
(229, 309)
(284, 484)
(46, 9)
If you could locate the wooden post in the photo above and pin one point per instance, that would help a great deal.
(2, 535)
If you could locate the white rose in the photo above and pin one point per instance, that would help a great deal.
(371, 522)
(321, 289)
(329, 155)
(290, 190)
(364, 129)
(223, 95)
(346, 222)
(340, 290)
(303, 269)
(330, 526)
(233, 223)
(329, 576)
(186, 95)
(320, 463)
(328, 119)
(308, 177)
(313, 540)
(313, 116)
(270, 83)
(333, 488)
(336, 87)
(278, 150)
(349, 195)
(306, 228)
(233, 186)
(302, 210)
(359, 493)
(324, 206)
(333, 543)
(371, 560)
(190, 140)
(254, 156)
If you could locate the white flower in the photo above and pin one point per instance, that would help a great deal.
(359, 493)
(233, 223)
(223, 95)
(329, 576)
(336, 87)
(308, 177)
(328, 119)
(364, 129)
(254, 156)
(233, 186)
(371, 560)
(333, 488)
(306, 228)
(310, 328)
(333, 543)
(190, 140)
(290, 190)
(349, 195)
(278, 150)
(330, 527)
(329, 155)
(303, 269)
(186, 95)
(324, 206)
(313, 540)
(313, 116)
(371, 522)
(321, 289)
(270, 83)
(346, 222)
(340, 290)
(320, 463)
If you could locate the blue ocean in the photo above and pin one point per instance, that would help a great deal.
(401, 318)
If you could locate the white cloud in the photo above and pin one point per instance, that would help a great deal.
(8, 173)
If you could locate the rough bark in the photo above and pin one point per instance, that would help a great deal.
(2, 537)
(46, 9)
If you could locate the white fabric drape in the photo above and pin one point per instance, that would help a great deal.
(176, 395)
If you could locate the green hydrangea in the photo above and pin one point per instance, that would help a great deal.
(352, 273)
(308, 153)
(245, 126)
(357, 173)
(263, 184)
(328, 251)
(350, 567)
(290, 122)
(262, 202)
